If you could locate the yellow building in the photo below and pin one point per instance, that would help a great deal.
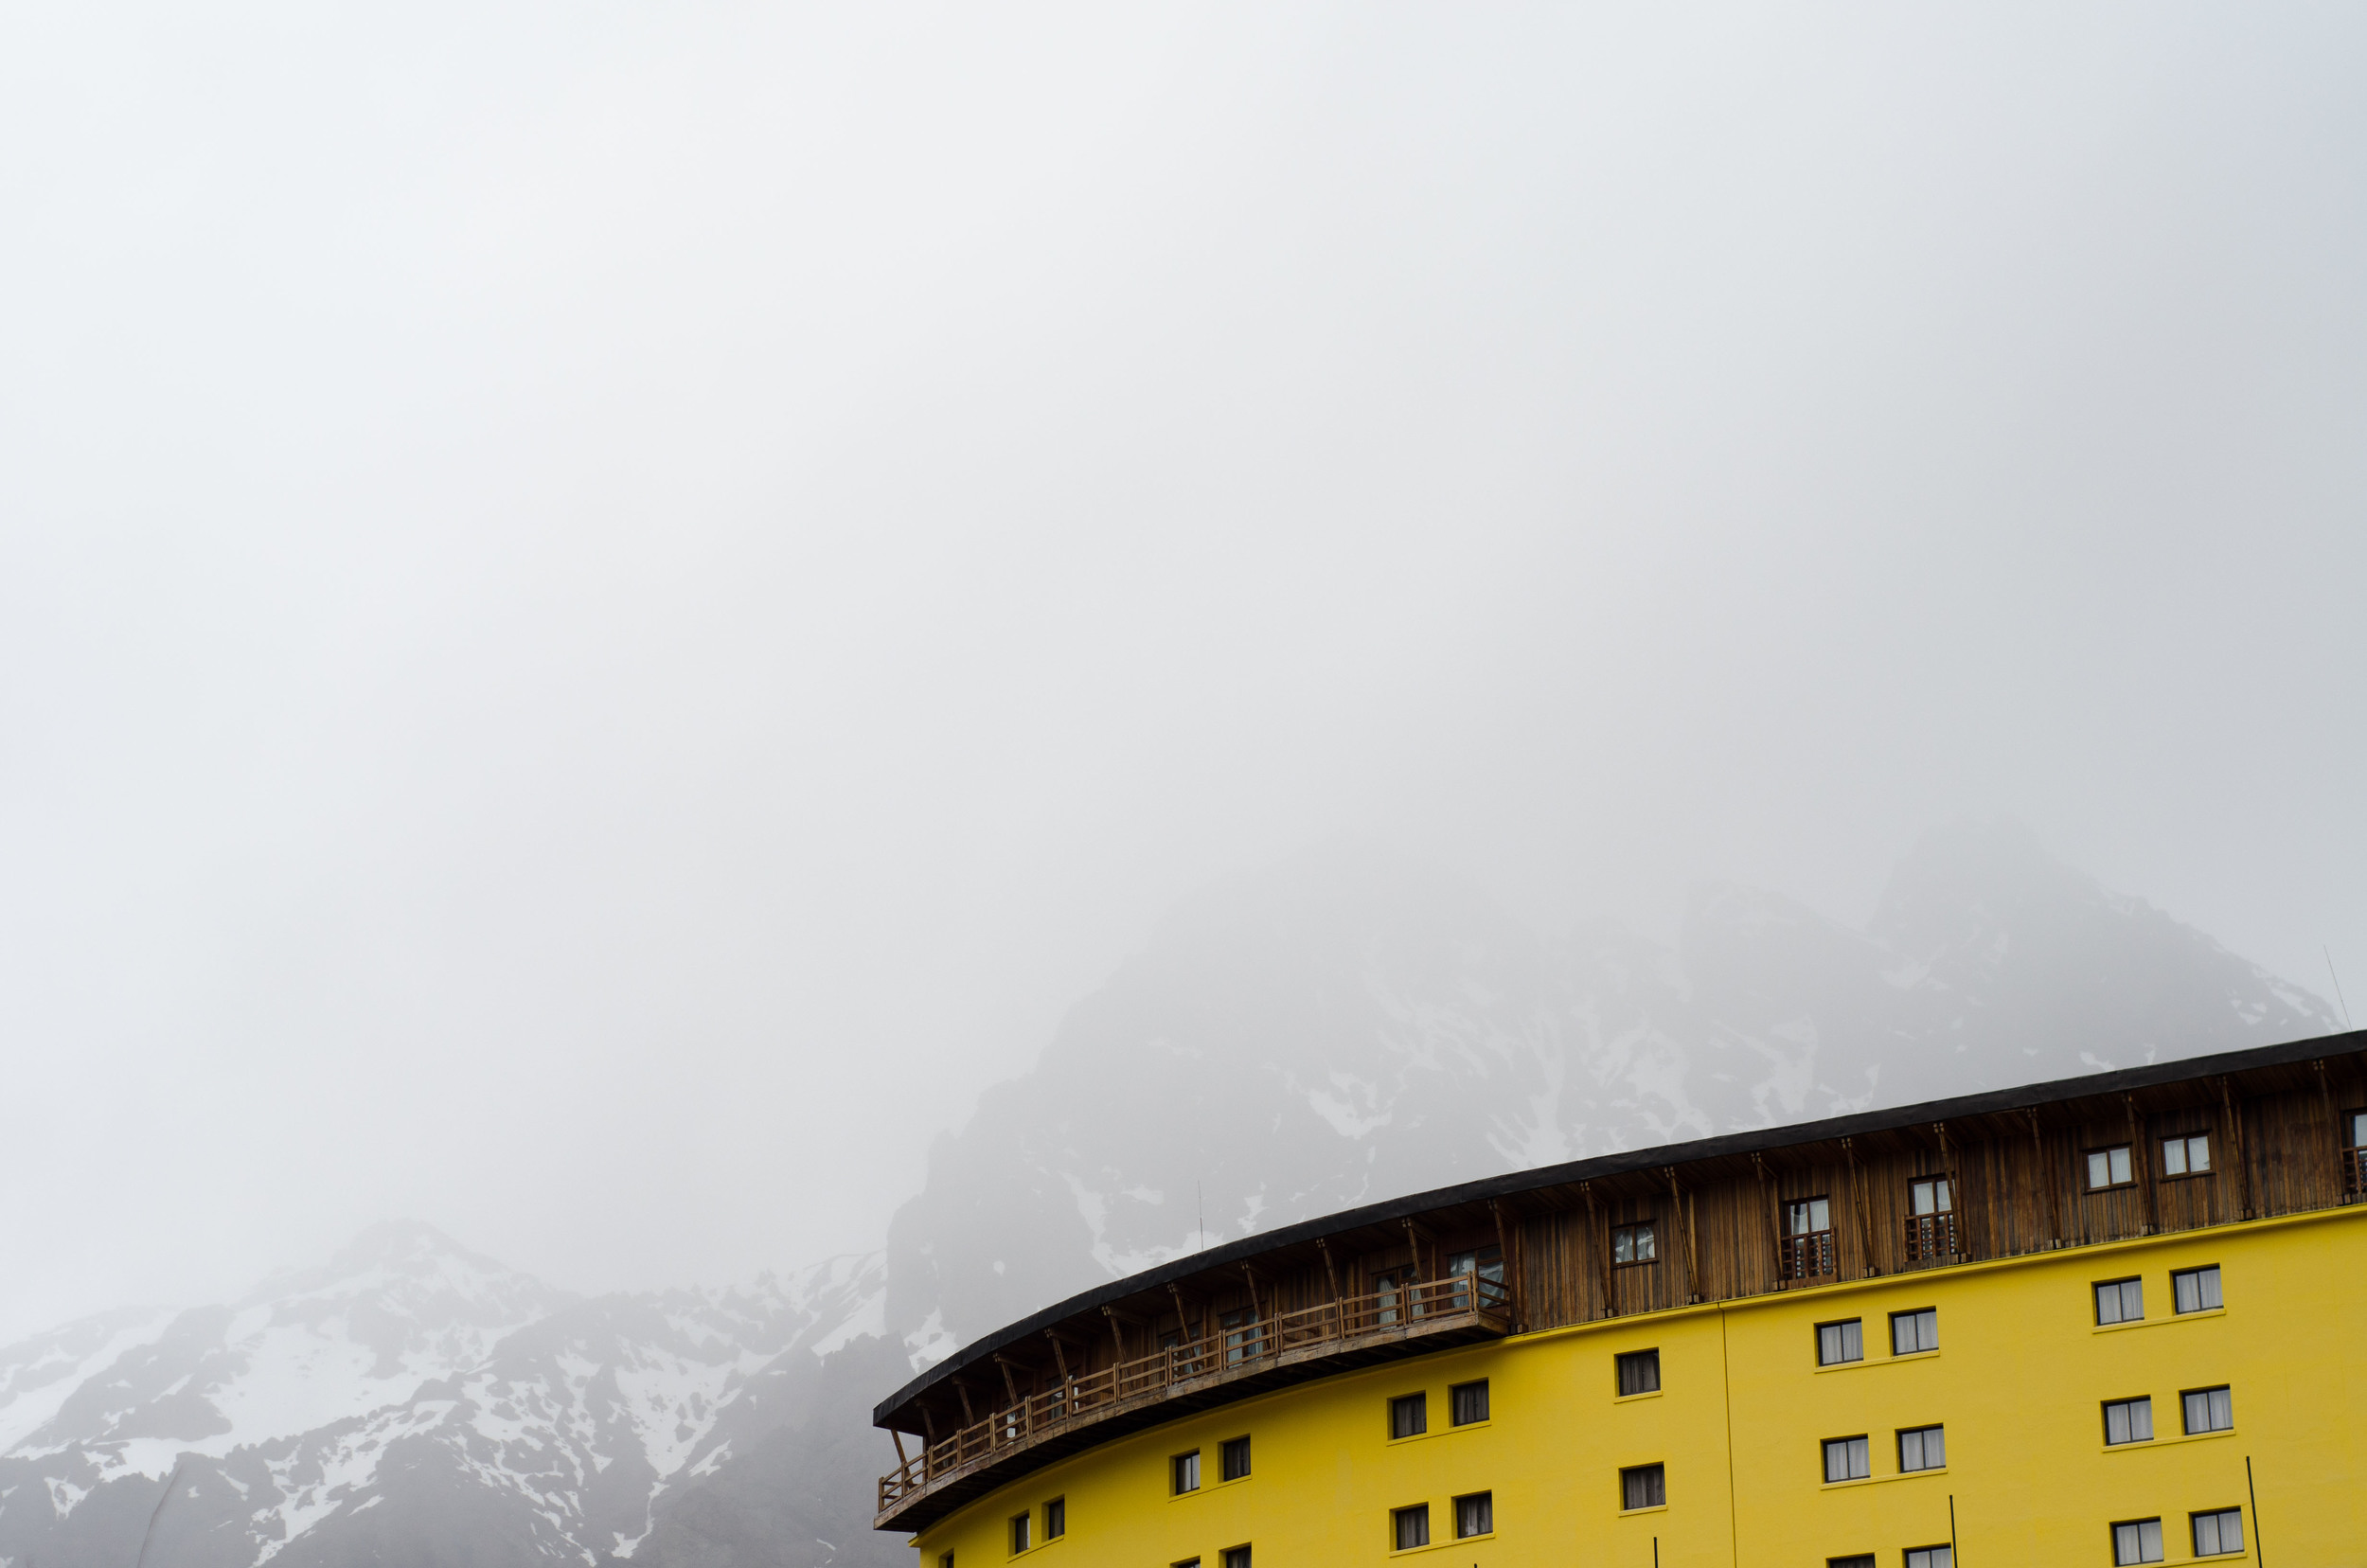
(2111, 1320)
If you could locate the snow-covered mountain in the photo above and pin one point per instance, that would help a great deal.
(409, 1393)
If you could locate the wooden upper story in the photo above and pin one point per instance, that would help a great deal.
(2173, 1147)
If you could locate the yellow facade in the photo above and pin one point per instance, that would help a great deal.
(2018, 1382)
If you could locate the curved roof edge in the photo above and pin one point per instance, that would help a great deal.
(1756, 1140)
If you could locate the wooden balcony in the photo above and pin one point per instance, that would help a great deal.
(1231, 1363)
(1930, 1239)
(1810, 1257)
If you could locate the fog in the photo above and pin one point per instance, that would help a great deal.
(606, 612)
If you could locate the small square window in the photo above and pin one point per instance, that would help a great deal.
(2186, 1156)
(1836, 1342)
(1474, 1515)
(1232, 1459)
(2220, 1531)
(1633, 1243)
(1846, 1459)
(2128, 1421)
(1643, 1487)
(1185, 1468)
(2120, 1301)
(2110, 1167)
(1922, 1448)
(2137, 1541)
(1639, 1372)
(1236, 1557)
(1018, 1533)
(1409, 1416)
(1468, 1402)
(1055, 1519)
(2195, 1290)
(1410, 1527)
(1915, 1332)
(2209, 1410)
(1931, 1557)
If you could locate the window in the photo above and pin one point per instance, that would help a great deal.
(1055, 1519)
(1808, 1217)
(1632, 1243)
(1913, 1333)
(1474, 1515)
(1929, 1195)
(1187, 1563)
(2120, 1301)
(1409, 1416)
(1643, 1487)
(1018, 1533)
(1931, 1557)
(2186, 1156)
(2128, 1421)
(2110, 1167)
(2220, 1531)
(1863, 1559)
(1836, 1342)
(1186, 1472)
(1232, 1459)
(2209, 1410)
(1922, 1448)
(1242, 1339)
(1385, 1289)
(1410, 1527)
(2356, 1121)
(1468, 1402)
(1639, 1372)
(1845, 1459)
(2139, 1540)
(945, 1560)
(1485, 1262)
(2195, 1290)
(1235, 1556)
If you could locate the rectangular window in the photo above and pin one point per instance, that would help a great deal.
(1808, 1217)
(1018, 1533)
(1836, 1342)
(1474, 1515)
(1845, 1459)
(2356, 1121)
(1409, 1416)
(1929, 1196)
(1488, 1265)
(2128, 1421)
(1242, 1338)
(1187, 1563)
(1931, 1557)
(1185, 1468)
(1643, 1487)
(2189, 1155)
(2195, 1290)
(2209, 1409)
(1639, 1372)
(2138, 1541)
(1385, 1294)
(1236, 1557)
(2220, 1531)
(1410, 1527)
(1922, 1448)
(1055, 1519)
(1915, 1332)
(1633, 1243)
(2110, 1167)
(945, 1560)
(1468, 1402)
(1232, 1459)
(2120, 1301)
(1863, 1559)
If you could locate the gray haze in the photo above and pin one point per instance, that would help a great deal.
(606, 613)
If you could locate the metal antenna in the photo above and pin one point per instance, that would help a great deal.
(1200, 1216)
(2338, 986)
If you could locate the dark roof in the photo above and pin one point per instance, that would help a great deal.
(1756, 1141)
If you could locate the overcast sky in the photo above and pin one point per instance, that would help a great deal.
(606, 610)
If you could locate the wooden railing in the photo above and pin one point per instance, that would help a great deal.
(1238, 1349)
(1810, 1257)
(1931, 1236)
(2354, 1171)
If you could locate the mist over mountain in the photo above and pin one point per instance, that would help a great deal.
(1343, 1028)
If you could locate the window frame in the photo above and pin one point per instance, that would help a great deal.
(2217, 1518)
(1416, 1514)
(1235, 1556)
(1943, 1184)
(1020, 1531)
(2105, 1152)
(1923, 1435)
(1645, 1230)
(1454, 1403)
(2138, 1525)
(1856, 1451)
(1418, 1402)
(1914, 1315)
(1806, 1208)
(1623, 1360)
(2185, 1142)
(1225, 1450)
(1947, 1559)
(1486, 1500)
(2185, 1409)
(1177, 1464)
(1056, 1517)
(1653, 1477)
(2095, 1298)
(1841, 1324)
(2216, 1287)
(2129, 1404)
